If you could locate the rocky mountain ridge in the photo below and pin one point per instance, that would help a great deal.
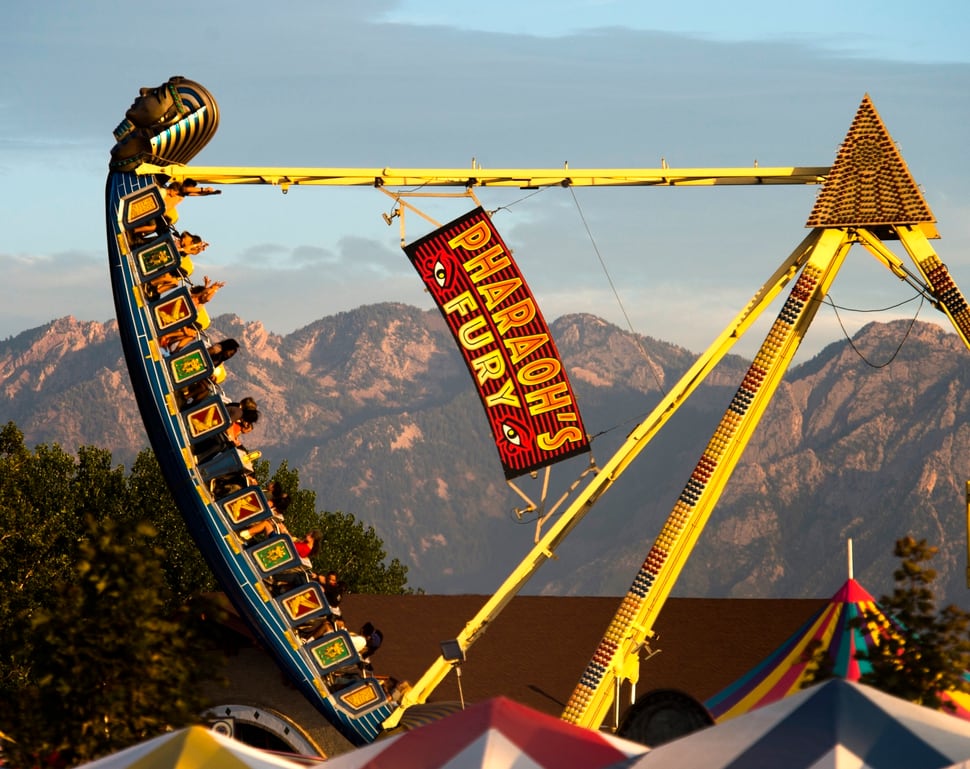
(377, 411)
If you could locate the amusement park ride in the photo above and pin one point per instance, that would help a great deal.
(867, 197)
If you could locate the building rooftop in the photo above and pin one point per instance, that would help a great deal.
(539, 645)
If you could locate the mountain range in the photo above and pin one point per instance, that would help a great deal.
(869, 440)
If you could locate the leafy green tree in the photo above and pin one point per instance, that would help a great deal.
(99, 490)
(108, 664)
(39, 531)
(150, 500)
(350, 548)
(357, 554)
(84, 610)
(931, 653)
(97, 646)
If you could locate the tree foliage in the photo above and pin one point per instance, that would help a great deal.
(104, 663)
(101, 642)
(930, 654)
(185, 569)
(93, 655)
(349, 547)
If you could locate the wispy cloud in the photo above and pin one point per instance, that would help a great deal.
(403, 84)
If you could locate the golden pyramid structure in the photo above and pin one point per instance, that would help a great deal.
(869, 184)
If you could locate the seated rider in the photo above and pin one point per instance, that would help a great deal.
(278, 501)
(219, 353)
(242, 417)
(200, 295)
(334, 589)
(164, 283)
(204, 294)
(189, 244)
(373, 638)
(176, 192)
(308, 545)
(222, 351)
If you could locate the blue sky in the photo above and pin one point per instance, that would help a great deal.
(511, 84)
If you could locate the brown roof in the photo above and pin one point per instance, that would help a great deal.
(537, 648)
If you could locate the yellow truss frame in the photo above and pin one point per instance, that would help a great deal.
(867, 196)
(522, 178)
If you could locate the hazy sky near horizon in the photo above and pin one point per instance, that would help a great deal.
(433, 84)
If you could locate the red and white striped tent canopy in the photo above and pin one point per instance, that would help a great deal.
(495, 734)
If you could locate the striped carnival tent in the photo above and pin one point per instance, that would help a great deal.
(833, 725)
(494, 734)
(191, 748)
(786, 670)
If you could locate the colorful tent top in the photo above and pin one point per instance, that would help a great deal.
(505, 341)
(495, 734)
(191, 748)
(833, 725)
(786, 670)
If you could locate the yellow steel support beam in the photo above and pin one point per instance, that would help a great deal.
(948, 296)
(624, 455)
(523, 178)
(854, 206)
(617, 656)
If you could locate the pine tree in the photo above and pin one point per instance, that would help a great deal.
(928, 652)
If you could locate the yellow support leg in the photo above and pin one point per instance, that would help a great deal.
(618, 651)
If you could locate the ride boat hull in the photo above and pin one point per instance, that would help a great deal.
(189, 439)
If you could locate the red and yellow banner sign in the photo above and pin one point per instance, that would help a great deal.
(505, 341)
